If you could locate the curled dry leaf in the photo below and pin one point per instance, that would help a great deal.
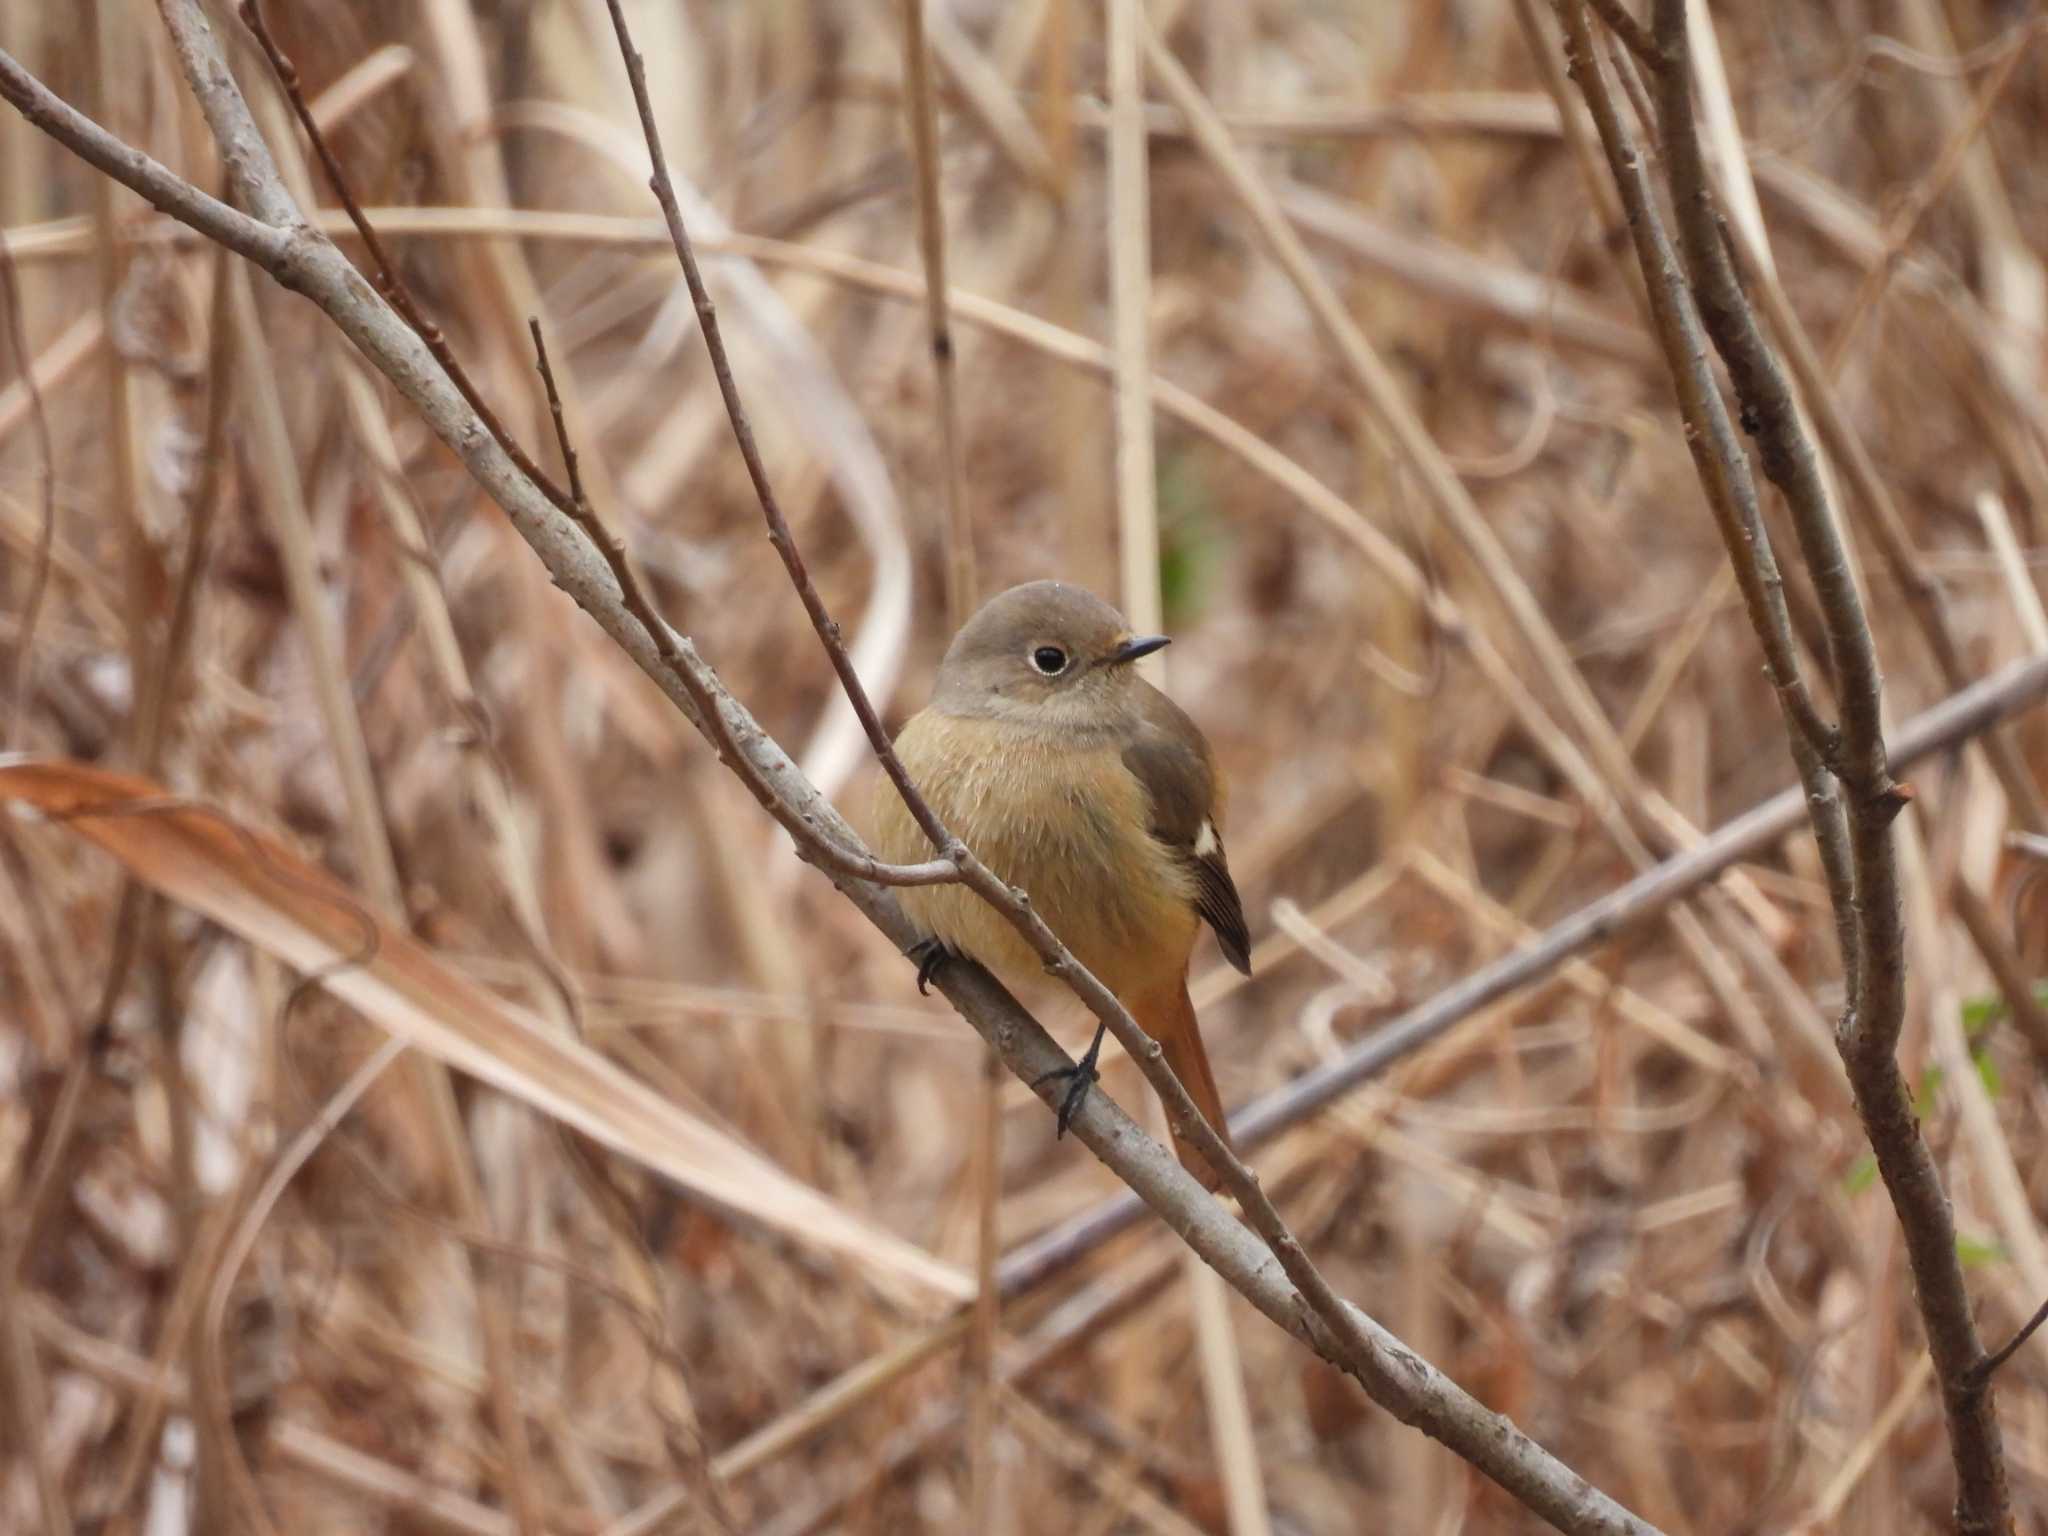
(259, 889)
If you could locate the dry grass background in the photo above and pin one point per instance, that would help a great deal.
(1630, 1215)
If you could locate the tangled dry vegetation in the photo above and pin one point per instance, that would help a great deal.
(1628, 1206)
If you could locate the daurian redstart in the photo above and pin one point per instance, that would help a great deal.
(1081, 784)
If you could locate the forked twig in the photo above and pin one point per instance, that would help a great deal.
(1633, 34)
(1852, 794)
(1981, 1375)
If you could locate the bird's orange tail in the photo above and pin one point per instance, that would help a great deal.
(1168, 1016)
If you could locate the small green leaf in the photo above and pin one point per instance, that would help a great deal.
(1987, 1072)
(1931, 1079)
(1975, 1252)
(1980, 1013)
(1191, 537)
(1861, 1175)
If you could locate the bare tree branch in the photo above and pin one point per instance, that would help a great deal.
(1868, 1034)
(1854, 838)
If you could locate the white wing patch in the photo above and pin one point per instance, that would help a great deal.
(1205, 840)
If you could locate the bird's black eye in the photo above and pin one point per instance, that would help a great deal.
(1050, 660)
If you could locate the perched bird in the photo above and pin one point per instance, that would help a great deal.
(1081, 784)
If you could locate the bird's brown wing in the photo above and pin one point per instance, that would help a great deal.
(1169, 756)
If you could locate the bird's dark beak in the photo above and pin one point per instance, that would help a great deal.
(1133, 648)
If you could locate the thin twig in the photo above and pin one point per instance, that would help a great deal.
(2004, 964)
(562, 440)
(212, 1394)
(152, 733)
(1852, 458)
(757, 471)
(1730, 495)
(1989, 1365)
(931, 244)
(958, 545)
(389, 283)
(28, 1404)
(1630, 77)
(1623, 24)
(46, 481)
(1926, 192)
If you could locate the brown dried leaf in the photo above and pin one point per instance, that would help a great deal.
(259, 889)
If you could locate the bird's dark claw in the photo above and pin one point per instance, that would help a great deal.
(1080, 1077)
(931, 957)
